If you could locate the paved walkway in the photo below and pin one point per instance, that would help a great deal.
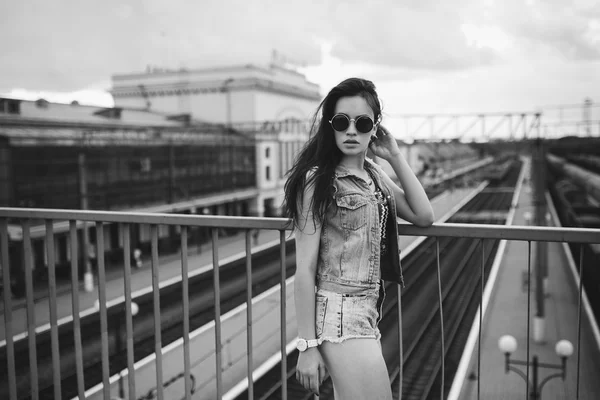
(507, 314)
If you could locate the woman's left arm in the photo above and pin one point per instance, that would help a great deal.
(412, 203)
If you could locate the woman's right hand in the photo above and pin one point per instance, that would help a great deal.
(311, 370)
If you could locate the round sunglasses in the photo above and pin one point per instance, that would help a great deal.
(341, 122)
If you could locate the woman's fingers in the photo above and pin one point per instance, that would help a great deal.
(313, 383)
(322, 372)
(309, 381)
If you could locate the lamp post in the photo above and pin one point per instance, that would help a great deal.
(508, 344)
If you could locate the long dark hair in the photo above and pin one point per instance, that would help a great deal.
(321, 154)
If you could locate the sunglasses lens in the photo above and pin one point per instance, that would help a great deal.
(364, 124)
(340, 123)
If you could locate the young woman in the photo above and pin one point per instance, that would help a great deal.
(344, 208)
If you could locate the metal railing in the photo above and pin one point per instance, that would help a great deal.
(25, 217)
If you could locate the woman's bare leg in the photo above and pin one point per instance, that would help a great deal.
(357, 369)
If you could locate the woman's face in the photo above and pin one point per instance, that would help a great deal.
(352, 142)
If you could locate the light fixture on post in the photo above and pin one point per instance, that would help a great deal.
(508, 344)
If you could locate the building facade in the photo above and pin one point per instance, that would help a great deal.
(210, 142)
(273, 104)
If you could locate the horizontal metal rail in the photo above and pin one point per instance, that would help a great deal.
(478, 231)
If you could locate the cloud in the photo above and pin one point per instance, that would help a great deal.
(525, 87)
(65, 45)
(564, 29)
(406, 37)
(62, 46)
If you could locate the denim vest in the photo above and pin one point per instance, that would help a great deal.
(349, 256)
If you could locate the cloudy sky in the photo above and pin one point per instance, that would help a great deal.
(424, 56)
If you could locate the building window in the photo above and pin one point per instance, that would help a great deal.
(267, 152)
(10, 106)
(281, 156)
(288, 156)
(268, 173)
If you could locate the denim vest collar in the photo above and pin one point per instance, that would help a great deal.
(342, 172)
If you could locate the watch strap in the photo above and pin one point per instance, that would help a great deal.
(304, 344)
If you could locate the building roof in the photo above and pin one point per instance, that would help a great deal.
(27, 122)
(44, 111)
(158, 82)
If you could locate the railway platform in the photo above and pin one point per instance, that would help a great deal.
(506, 314)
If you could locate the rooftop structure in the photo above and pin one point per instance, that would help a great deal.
(232, 94)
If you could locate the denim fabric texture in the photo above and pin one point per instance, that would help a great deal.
(350, 268)
(342, 316)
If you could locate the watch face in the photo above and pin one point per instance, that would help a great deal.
(302, 345)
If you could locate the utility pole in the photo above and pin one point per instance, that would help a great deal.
(88, 276)
(539, 201)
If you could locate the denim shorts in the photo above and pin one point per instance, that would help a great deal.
(342, 316)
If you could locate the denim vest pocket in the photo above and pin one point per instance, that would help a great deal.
(353, 210)
(320, 310)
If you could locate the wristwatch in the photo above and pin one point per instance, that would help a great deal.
(304, 344)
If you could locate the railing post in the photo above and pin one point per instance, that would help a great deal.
(400, 343)
(157, 314)
(186, 312)
(443, 346)
(102, 309)
(250, 354)
(579, 306)
(126, 233)
(480, 319)
(10, 350)
(75, 301)
(528, 311)
(53, 309)
(217, 297)
(283, 317)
